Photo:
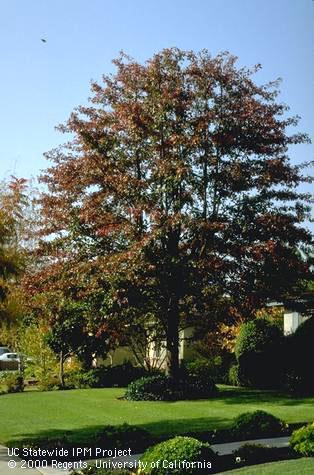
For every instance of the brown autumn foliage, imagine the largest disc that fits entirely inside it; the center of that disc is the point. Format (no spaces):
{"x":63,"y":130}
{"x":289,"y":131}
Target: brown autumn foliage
{"x":174,"y":192}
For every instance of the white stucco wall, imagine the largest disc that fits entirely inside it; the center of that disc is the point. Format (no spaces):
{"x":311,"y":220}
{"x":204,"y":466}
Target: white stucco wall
{"x":291,"y":321}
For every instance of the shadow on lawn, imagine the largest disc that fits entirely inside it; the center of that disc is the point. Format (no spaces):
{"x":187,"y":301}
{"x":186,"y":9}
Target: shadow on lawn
{"x":246,"y":396}
{"x":160,"y":430}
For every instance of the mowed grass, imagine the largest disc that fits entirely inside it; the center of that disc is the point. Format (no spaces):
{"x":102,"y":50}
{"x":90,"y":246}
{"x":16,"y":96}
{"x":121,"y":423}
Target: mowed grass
{"x":289,"y":467}
{"x":40,"y":414}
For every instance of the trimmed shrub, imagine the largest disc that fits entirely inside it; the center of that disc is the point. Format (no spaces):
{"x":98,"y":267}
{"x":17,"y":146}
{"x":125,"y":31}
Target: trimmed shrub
{"x":305,"y":332}
{"x":48,"y":382}
{"x":196,"y":380}
{"x":179,"y":449}
{"x":123,"y":436}
{"x":151,"y":388}
{"x":105,"y":376}
{"x":93,"y":470}
{"x":163,"y":388}
{"x":254,"y":454}
{"x":13,"y":381}
{"x":295,"y":384}
{"x":80,"y":379}
{"x":299,"y":352}
{"x":124,"y":374}
{"x":256,"y":335}
{"x":259,"y":353}
{"x":257,"y":424}
{"x":199,"y":367}
{"x":215,"y":367}
{"x":302,"y":440}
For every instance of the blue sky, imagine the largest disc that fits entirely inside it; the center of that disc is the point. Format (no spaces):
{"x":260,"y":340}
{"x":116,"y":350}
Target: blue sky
{"x":41,"y":83}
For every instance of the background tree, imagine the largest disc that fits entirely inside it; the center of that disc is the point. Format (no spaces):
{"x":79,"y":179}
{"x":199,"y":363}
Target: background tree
{"x":15,"y":232}
{"x":18,"y":223}
{"x":12,"y":199}
{"x":32,"y":341}
{"x":177,"y":186}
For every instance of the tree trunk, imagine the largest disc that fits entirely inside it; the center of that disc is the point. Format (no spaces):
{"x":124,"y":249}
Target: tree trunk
{"x":61,"y":369}
{"x":174,"y":285}
{"x":172,"y":343}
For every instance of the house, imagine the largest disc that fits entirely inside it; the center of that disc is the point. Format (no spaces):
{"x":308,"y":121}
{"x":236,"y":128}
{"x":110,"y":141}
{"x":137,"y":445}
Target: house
{"x":295,"y":311}
{"x":292,"y":320}
{"x":156,"y":352}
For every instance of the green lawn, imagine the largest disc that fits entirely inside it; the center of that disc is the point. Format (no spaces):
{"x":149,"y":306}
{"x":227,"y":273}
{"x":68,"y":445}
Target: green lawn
{"x":289,"y":467}
{"x":84,"y":411}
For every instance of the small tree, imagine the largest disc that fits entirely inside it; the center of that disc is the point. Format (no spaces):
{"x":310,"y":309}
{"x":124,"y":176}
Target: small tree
{"x":70,"y":335}
{"x":64,"y":339}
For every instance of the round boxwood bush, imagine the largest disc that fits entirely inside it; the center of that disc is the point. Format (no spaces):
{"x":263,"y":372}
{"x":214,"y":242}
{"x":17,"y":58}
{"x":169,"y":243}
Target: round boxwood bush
{"x":187,"y":452}
{"x":257,"y":424}
{"x":163,"y":388}
{"x":258,"y":351}
{"x":302,"y":440}
{"x":151,"y":388}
